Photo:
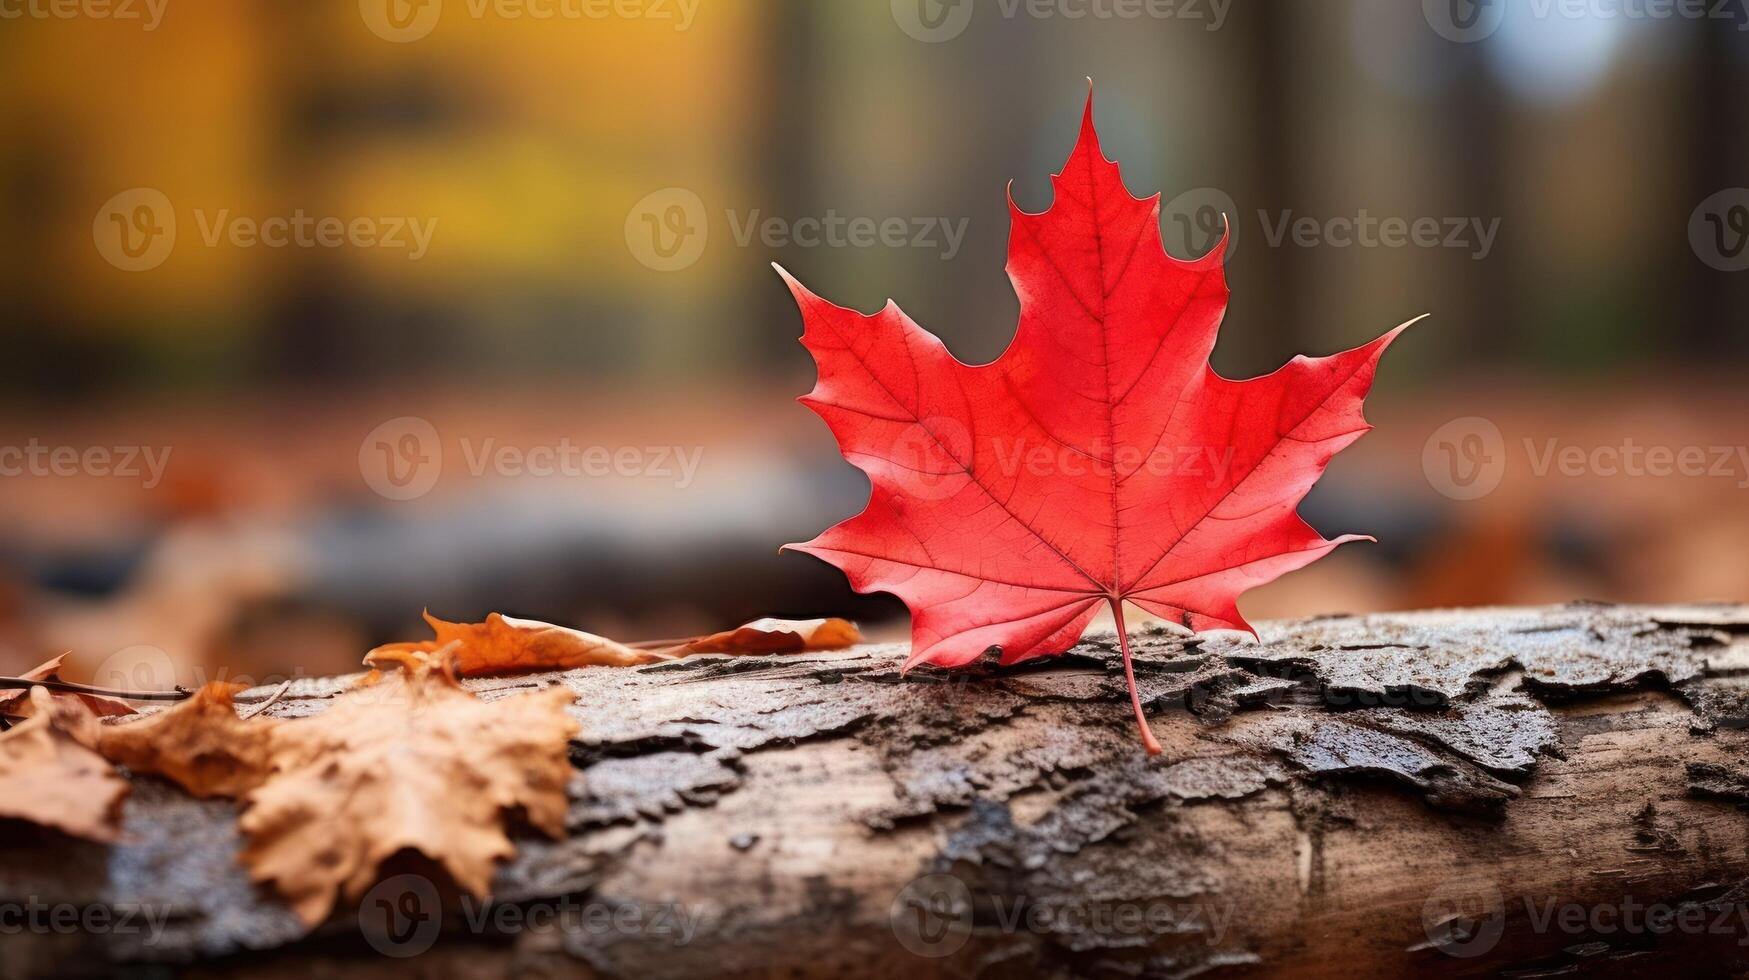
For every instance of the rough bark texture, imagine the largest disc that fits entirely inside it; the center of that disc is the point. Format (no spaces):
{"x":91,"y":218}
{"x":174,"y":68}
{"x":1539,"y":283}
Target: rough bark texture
{"x":1453,"y":793}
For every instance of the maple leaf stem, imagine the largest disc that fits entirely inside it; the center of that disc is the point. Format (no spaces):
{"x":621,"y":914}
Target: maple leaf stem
{"x":1129,"y":672}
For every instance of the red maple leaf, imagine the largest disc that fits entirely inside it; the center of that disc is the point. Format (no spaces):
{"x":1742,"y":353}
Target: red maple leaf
{"x":1100,"y":459}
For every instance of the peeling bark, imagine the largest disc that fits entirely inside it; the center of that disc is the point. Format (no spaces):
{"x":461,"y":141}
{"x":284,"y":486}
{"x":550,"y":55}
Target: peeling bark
{"x":1453,"y":793}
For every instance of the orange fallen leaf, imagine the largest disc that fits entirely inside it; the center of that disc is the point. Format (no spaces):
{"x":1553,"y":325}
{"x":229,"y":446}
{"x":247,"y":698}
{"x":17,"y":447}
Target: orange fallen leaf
{"x":502,"y":645}
{"x":412,"y":761}
{"x":777,"y":636}
{"x":50,"y":776}
{"x":200,"y":745}
{"x":15,"y":702}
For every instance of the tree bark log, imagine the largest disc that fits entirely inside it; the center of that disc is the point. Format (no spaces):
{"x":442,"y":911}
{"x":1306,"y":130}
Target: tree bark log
{"x":1469,"y":793}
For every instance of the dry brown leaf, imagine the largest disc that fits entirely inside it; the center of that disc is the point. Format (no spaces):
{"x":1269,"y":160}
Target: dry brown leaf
{"x":50,"y":776}
{"x":503,"y":645}
{"x":778,"y":636}
{"x":200,"y":745}
{"x":15,"y":702}
{"x":412,"y":761}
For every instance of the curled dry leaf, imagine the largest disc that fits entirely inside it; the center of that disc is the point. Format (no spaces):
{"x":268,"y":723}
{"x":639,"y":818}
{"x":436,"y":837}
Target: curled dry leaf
{"x":16,"y":702}
{"x":777,"y":636}
{"x":200,"y":745}
{"x":503,"y":645}
{"x":413,"y":761}
{"x":50,"y":776}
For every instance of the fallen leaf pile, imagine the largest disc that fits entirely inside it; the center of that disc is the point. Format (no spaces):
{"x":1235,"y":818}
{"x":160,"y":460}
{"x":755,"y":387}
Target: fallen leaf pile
{"x":1100,"y":460}
{"x":406,"y":758}
{"x":411,"y":760}
{"x":50,"y":776}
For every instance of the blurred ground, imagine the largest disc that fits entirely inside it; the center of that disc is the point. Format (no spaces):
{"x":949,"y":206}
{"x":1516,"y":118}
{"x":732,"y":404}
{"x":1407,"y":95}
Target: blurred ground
{"x":263,"y":551}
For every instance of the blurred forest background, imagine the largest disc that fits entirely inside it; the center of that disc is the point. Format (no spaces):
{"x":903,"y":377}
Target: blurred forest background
{"x":604,"y":185}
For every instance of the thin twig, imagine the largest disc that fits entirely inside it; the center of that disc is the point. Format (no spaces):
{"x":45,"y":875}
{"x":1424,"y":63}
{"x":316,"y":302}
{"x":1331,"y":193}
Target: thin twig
{"x":68,"y":687}
{"x":263,"y":706}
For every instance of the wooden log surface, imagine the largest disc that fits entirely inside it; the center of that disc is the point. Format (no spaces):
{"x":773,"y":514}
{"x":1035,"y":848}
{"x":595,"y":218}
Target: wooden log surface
{"x":1519,"y":792}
